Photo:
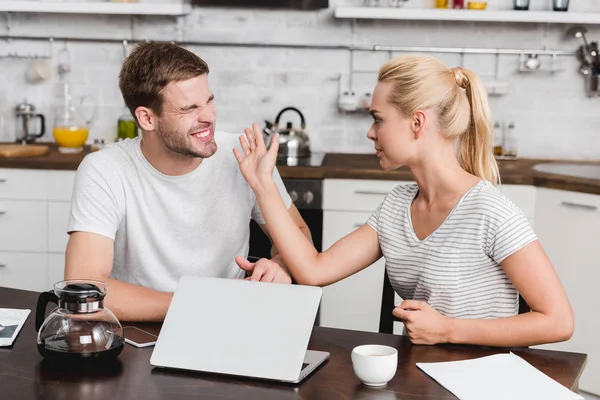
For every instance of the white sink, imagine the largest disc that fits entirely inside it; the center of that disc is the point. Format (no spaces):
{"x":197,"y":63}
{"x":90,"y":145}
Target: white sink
{"x":587,"y":171}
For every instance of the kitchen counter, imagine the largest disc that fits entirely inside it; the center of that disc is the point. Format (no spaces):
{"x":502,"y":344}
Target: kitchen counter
{"x":561,"y":175}
{"x":513,"y":172}
{"x":53,"y":160}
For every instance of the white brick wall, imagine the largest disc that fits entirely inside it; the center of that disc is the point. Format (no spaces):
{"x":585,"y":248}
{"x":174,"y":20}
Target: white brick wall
{"x":552,"y":115}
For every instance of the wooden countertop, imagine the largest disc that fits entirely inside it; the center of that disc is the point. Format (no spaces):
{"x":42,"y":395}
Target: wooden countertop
{"x":53,"y":160}
{"x":354,"y":166}
{"x":25,"y":375}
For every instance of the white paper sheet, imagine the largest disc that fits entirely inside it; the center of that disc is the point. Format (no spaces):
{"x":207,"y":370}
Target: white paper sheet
{"x":497,"y":377}
{"x":11,"y":322}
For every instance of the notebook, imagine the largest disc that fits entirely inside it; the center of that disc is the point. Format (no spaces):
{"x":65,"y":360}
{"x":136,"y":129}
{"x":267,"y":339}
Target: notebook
{"x":496,"y":377}
{"x":11,"y":322}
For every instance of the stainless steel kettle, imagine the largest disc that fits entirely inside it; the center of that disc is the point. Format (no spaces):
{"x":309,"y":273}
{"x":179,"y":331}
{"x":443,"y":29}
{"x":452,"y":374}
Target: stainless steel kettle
{"x":293,"y":143}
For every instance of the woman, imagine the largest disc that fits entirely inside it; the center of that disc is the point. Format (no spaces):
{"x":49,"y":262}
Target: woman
{"x":456,"y":249}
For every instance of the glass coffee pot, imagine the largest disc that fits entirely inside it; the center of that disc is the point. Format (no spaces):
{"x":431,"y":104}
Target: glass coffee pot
{"x":80,"y":328}
{"x":73,"y":116}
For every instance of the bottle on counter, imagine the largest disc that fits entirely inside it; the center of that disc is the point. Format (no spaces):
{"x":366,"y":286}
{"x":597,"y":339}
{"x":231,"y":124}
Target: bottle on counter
{"x":459,"y":4}
{"x":498,"y":139}
{"x":441,"y":3}
{"x":509,"y":144}
{"x":126,"y":127}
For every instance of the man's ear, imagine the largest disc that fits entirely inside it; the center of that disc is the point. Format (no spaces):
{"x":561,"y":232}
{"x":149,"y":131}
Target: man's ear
{"x":145,"y":119}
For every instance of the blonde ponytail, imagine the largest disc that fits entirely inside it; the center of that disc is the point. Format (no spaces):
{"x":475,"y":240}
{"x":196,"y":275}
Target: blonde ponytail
{"x":421,"y":82}
{"x":475,"y":146}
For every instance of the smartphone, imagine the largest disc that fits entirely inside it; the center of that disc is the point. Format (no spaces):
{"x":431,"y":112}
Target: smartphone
{"x":138,"y":337}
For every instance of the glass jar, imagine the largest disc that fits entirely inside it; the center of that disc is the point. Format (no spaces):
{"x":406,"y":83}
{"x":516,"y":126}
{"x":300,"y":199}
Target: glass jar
{"x":498,"y":139}
{"x":126,"y":126}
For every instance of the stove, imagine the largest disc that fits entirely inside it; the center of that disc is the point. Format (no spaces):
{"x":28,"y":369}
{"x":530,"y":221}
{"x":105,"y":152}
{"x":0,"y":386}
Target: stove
{"x":315,"y":160}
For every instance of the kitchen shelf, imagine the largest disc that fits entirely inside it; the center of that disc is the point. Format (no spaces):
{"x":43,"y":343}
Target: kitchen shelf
{"x":554,"y":17}
{"x":105,"y":7}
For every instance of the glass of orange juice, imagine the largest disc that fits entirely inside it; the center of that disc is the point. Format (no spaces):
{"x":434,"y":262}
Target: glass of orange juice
{"x":70,"y":139}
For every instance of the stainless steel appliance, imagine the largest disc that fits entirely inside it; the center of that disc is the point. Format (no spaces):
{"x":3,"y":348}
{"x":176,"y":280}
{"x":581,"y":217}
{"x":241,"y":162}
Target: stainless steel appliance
{"x":293,"y":142}
{"x":25,"y":123}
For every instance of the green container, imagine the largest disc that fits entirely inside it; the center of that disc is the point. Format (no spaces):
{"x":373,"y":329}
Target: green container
{"x":126,"y":127}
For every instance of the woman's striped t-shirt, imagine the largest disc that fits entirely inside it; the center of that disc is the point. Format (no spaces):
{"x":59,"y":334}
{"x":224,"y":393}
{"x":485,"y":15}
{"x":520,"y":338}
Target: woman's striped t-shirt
{"x":456,"y":269}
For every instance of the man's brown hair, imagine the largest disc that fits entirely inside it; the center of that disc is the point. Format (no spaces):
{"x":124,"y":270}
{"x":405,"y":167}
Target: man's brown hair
{"x":150,"y":67}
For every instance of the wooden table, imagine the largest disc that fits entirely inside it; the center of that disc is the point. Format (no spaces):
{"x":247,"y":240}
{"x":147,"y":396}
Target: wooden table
{"x":25,"y":375}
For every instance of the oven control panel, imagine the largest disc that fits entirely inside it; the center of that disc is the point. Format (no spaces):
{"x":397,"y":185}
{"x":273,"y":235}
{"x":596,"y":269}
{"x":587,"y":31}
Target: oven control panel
{"x":305,"y":193}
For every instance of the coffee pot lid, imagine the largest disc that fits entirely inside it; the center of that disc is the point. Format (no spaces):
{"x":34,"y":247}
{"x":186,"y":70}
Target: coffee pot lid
{"x":25,"y":107}
{"x":80,"y":291}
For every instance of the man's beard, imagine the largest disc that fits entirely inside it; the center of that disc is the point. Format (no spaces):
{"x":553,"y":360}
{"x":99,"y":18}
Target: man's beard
{"x":181,"y":144}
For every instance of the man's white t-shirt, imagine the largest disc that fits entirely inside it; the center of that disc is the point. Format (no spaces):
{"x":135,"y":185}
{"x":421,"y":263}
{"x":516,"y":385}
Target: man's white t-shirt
{"x":163,"y":226}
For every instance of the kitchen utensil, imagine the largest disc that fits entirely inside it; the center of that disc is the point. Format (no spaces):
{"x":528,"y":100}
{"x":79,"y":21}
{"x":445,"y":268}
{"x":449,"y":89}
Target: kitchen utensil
{"x":20,"y":150}
{"x":71,"y":125}
{"x":532,"y":62}
{"x":592,"y":84}
{"x":577,"y":31}
{"x":64,"y":61}
{"x":39,"y":71}
{"x":560,"y":5}
{"x":585,"y":69}
{"x":25,"y":121}
{"x":583,"y":53}
{"x":293,"y":143}
{"x":521,"y":5}
{"x":80,"y":328}
{"x":595,"y":53}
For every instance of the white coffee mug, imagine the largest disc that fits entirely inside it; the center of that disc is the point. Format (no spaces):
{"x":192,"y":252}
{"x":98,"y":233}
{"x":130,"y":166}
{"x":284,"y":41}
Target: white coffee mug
{"x":38,"y":71}
{"x":375,"y":365}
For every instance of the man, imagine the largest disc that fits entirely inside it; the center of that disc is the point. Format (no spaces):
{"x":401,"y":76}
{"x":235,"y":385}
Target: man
{"x":146,"y":211}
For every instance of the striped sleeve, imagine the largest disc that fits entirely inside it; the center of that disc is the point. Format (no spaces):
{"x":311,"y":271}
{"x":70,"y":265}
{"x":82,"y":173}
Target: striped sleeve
{"x":373,"y":220}
{"x":514,"y":234}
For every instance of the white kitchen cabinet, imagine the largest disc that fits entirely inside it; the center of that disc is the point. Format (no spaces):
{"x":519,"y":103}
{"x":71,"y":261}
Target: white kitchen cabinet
{"x":34,"y":212}
{"x":568,"y":227}
{"x":356,"y":194}
{"x":23,"y":271}
{"x":353,"y":303}
{"x":23,"y":184}
{"x":60,"y":185}
{"x":58,"y":219}
{"x":23,"y":226}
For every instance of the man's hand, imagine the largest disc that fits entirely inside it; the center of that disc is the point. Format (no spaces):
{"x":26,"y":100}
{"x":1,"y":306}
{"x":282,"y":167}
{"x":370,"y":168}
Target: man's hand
{"x":264,"y":270}
{"x":423,"y":324}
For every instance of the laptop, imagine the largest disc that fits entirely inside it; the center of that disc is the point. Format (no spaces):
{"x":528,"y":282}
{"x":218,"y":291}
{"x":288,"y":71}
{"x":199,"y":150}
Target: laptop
{"x":241,"y":328}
